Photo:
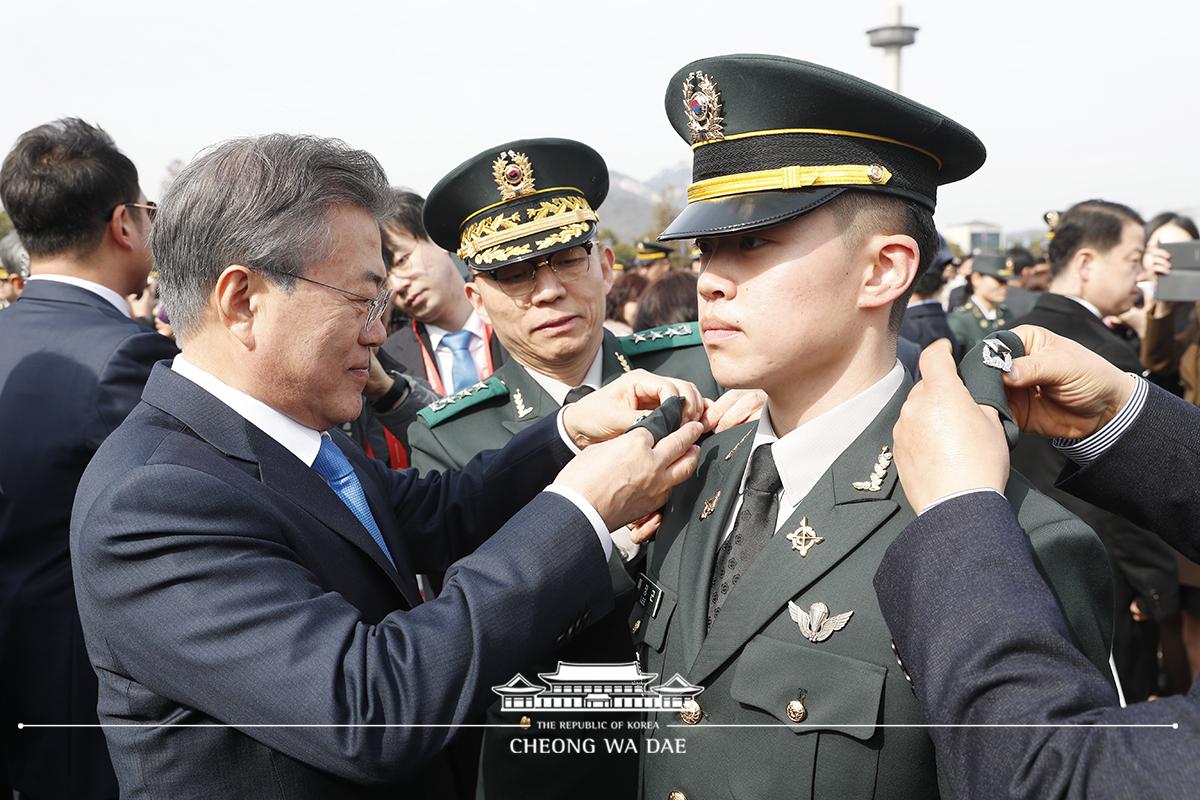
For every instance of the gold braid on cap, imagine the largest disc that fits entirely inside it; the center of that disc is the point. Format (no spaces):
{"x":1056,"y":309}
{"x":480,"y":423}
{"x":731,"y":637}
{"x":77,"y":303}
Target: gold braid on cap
{"x":482,"y":240}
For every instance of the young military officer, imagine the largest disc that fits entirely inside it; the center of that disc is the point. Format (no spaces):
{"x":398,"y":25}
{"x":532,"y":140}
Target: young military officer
{"x":984,"y":311}
{"x":812,"y":198}
{"x":652,"y":259}
{"x":523,"y":217}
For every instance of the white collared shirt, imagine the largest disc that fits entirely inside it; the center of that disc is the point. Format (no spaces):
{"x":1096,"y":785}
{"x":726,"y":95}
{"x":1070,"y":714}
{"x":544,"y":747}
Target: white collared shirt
{"x":807,"y":453}
{"x":990,"y":315}
{"x":445,"y":356}
{"x":558,"y":390}
{"x":1085,"y":304}
{"x":106,"y":293}
{"x":301,"y":441}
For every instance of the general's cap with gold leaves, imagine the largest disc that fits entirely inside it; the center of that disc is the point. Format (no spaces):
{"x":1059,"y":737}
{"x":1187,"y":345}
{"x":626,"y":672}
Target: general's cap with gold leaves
{"x":518,"y":201}
{"x":773,"y":138}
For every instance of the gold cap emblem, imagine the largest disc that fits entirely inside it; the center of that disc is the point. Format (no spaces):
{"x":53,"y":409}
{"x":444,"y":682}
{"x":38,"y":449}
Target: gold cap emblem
{"x":702,"y":103}
{"x":513,"y":174}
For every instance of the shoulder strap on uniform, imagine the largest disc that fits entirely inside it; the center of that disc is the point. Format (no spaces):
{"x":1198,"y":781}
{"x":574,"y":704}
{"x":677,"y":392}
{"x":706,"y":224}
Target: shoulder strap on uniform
{"x":450,"y":406}
{"x":664,"y":337}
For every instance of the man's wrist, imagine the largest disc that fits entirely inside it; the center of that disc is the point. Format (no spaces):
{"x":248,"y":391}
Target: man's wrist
{"x":1086,"y":450}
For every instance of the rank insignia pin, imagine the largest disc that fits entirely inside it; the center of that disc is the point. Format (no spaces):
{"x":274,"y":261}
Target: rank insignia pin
{"x":729,"y":455}
{"x":622,"y":361}
{"x":523,"y":410}
{"x":816,"y":624}
{"x":875,"y":482}
{"x":804,"y":538}
{"x":996,"y":354}
{"x":710,"y":505}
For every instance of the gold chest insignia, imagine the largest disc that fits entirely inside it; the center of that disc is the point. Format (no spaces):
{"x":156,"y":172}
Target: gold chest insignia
{"x":624,"y":362}
{"x":710,"y":505}
{"x":804,"y":538}
{"x":514,"y":175}
{"x":702,"y":104}
{"x":875,"y":482}
{"x":523,"y":410}
{"x":729,"y":455}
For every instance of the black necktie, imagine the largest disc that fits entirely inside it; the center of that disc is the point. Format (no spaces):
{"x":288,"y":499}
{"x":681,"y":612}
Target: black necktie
{"x":755,"y":525}
{"x":577,"y":393}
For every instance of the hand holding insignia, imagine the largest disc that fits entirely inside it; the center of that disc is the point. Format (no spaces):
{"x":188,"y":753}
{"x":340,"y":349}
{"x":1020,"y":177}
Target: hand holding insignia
{"x":733,"y":408}
{"x":611,"y":410}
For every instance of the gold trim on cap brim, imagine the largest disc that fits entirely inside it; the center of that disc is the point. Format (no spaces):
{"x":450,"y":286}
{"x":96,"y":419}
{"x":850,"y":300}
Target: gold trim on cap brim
{"x":796,"y":177}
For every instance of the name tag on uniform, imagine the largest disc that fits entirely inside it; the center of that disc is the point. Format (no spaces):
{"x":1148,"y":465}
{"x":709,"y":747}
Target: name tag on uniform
{"x":649,"y":595}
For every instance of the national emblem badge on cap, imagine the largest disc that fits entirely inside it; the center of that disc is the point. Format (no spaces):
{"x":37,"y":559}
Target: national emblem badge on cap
{"x":774,"y":138}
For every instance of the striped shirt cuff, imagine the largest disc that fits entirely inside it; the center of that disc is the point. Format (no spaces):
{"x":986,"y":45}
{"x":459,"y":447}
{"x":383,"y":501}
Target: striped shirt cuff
{"x":1085,"y":451}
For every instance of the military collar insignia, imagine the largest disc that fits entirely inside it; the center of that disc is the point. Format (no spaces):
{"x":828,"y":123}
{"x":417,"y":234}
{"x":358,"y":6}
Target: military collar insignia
{"x":523,"y":410}
{"x":447,"y":407}
{"x":746,"y":436}
{"x":816,"y":624}
{"x":664,"y":337}
{"x":710,"y":505}
{"x":514,"y":175}
{"x":997,"y":354}
{"x":624,"y":362}
{"x":702,"y":102}
{"x":875,"y":482}
{"x":804,"y":538}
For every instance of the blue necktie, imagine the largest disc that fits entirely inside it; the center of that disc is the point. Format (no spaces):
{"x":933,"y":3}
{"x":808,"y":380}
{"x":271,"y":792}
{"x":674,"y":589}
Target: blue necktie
{"x":463,"y":373}
{"x":334,"y":467}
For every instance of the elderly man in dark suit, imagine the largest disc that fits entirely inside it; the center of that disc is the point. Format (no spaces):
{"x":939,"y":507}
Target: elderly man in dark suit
{"x":246,"y":576}
{"x":72,"y":366}
{"x":977,"y":627}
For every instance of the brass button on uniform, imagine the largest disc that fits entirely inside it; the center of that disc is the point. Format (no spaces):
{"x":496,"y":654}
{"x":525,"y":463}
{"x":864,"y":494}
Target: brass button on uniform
{"x":676,"y":795}
{"x":691,"y":712}
{"x":796,"y":711}
{"x":637,"y":626}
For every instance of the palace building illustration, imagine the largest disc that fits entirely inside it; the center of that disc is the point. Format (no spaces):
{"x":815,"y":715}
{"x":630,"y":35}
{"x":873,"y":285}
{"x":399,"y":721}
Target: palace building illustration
{"x":598,"y":687}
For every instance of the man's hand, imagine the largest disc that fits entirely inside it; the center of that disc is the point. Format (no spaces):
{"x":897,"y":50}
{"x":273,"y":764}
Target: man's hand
{"x":945,"y":442}
{"x":1061,"y":389}
{"x":610,"y":410}
{"x":733,"y":408}
{"x":630,"y":477}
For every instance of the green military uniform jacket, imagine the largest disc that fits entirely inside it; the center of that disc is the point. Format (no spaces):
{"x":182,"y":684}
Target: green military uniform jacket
{"x":755,"y":661}
{"x":447,"y":436}
{"x":970,"y":326}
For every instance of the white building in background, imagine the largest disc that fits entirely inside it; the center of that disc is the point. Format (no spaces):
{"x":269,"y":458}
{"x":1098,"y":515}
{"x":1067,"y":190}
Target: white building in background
{"x":975,"y":237}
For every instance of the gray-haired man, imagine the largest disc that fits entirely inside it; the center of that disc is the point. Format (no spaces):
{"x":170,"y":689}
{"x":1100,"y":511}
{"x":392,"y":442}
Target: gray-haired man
{"x":246,"y":577}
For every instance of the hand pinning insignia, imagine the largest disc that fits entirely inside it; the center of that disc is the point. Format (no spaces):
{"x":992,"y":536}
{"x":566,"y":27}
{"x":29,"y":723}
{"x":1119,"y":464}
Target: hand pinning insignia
{"x":816,"y":624}
{"x":997,"y":354}
{"x":519,"y":401}
{"x":875,"y":482}
{"x":804,"y":538}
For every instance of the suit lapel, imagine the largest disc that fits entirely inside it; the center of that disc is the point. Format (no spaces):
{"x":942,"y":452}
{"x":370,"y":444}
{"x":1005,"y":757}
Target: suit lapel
{"x":843,"y":515}
{"x":701,"y":538}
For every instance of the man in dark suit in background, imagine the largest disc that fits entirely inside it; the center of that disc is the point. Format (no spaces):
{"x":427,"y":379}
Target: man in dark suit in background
{"x":924,"y":320}
{"x":72,"y":367}
{"x":1096,"y":255}
{"x":979,"y":631}
{"x":243,"y":569}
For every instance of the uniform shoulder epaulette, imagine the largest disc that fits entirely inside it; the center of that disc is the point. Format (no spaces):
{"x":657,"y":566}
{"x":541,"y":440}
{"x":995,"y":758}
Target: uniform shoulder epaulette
{"x":664,"y":337}
{"x":450,"y":406}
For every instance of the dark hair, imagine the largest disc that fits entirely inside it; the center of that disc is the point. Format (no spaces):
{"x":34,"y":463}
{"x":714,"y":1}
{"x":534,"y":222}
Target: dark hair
{"x":261,"y":202}
{"x":626,"y":288}
{"x":668,"y":301}
{"x":60,"y":184}
{"x":929,"y":283}
{"x":862,"y":214}
{"x":1020,"y":258}
{"x":1092,"y":223}
{"x":1171,"y":218}
{"x":407,"y":214}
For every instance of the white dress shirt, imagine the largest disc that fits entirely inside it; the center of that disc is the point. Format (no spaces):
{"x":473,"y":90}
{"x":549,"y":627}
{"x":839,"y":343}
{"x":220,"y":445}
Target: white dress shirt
{"x":805,"y":454}
{"x":108,"y":294}
{"x":444,"y":356}
{"x":990,"y":315}
{"x":304,"y":442}
{"x":1089,"y":306}
{"x":558,"y":390}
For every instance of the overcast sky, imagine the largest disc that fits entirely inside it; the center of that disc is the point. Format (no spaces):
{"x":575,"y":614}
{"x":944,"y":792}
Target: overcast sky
{"x":1073,"y":99}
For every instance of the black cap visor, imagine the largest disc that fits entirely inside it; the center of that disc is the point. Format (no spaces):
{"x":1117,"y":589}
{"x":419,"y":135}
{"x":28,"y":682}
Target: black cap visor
{"x":745,"y":212}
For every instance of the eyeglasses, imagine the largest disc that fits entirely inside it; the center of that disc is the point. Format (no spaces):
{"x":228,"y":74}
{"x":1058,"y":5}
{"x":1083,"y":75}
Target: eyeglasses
{"x":150,"y":206}
{"x":518,"y":280}
{"x":376,"y":306}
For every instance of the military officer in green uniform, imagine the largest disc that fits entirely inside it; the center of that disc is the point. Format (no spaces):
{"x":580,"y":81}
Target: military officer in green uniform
{"x":984,"y":310}
{"x":812,"y":201}
{"x":652,"y":259}
{"x":523,"y":217}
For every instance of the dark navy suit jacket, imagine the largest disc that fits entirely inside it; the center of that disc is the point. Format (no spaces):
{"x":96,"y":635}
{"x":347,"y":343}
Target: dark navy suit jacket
{"x":71,"y":368}
{"x":220,"y":580}
{"x":983,"y":639}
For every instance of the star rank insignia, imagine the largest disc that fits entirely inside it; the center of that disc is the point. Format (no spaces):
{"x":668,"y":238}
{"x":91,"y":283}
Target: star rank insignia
{"x":875,"y":482}
{"x":804,"y":538}
{"x":638,"y":338}
{"x":710,"y":505}
{"x":523,"y":410}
